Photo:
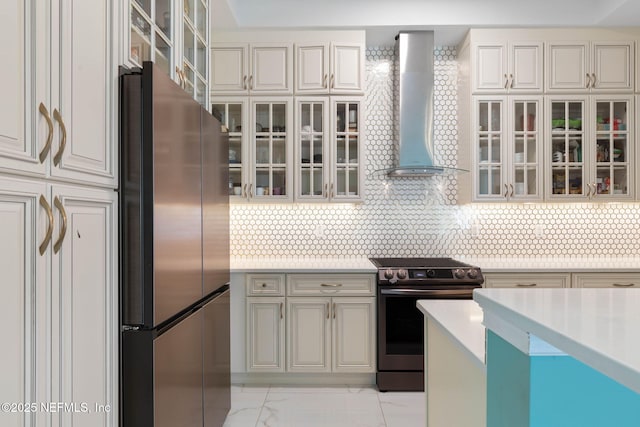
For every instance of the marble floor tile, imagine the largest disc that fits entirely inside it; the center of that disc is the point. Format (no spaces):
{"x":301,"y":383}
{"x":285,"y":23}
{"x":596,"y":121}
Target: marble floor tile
{"x":402,"y":409}
{"x":246,"y":405}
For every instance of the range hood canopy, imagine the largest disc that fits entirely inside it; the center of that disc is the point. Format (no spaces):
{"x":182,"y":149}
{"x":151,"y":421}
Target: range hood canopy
{"x":415,"y":106}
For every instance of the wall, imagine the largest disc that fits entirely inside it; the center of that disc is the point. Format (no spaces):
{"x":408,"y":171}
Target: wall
{"x":420,"y":217}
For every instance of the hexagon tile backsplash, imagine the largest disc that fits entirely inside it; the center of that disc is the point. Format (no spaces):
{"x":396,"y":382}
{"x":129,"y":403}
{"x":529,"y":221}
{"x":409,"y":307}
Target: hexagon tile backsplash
{"x":420,"y":217}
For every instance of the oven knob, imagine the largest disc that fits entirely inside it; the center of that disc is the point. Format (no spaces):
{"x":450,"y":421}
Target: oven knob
{"x":459,"y":273}
{"x":388,"y":274}
{"x":431,"y":273}
{"x":473,"y":273}
{"x":402,"y":274}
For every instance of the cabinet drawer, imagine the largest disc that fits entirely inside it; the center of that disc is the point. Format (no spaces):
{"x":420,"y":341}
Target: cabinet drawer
{"x":330,"y":284}
{"x":606,"y":280}
{"x":265,"y":284}
{"x":527,"y":280}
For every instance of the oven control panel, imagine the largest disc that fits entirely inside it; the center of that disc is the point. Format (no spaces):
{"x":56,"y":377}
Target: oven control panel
{"x":390,"y":276}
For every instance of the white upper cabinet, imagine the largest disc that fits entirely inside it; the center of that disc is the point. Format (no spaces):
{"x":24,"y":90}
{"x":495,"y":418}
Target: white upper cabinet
{"x":507,"y":67}
{"x":257,"y":68}
{"x":329,"y":68}
{"x":590,"y":66}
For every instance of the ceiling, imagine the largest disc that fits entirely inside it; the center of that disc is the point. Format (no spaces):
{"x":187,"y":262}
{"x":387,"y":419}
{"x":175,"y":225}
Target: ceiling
{"x":450,"y":19}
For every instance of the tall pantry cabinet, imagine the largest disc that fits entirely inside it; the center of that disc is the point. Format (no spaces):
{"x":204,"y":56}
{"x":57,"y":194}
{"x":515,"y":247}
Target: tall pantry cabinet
{"x":58,"y":213}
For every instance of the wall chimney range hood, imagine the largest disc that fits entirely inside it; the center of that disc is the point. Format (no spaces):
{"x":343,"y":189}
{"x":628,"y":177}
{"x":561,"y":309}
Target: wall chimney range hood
{"x":415,"y":107}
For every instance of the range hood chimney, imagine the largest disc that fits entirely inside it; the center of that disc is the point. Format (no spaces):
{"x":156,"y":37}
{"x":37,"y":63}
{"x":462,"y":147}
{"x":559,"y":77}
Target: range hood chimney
{"x":415,"y":104}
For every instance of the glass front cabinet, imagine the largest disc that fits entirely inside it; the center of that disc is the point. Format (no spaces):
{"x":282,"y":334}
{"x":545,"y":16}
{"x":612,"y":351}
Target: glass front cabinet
{"x":508,"y":148}
{"x":328,"y":149}
{"x":590,"y":150}
{"x":234,"y":115}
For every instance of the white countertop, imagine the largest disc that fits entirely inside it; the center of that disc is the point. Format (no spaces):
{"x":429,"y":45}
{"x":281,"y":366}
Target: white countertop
{"x":302,"y":265}
{"x":600,"y":327}
{"x":462,"y":320}
{"x":556,"y":264}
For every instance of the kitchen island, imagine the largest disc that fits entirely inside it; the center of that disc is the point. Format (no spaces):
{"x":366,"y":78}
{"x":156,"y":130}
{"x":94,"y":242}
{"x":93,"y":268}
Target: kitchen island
{"x":562,"y":357}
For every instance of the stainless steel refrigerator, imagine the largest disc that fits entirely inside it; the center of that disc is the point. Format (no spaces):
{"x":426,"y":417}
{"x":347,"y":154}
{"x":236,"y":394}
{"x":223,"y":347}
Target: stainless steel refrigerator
{"x":174,"y":246}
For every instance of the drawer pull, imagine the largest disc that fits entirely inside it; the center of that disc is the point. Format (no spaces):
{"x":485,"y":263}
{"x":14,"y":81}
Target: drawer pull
{"x":627,"y":285}
{"x":334,"y":310}
{"x":526,"y":285}
{"x":264,"y":285}
{"x":281,"y":310}
{"x":331,"y":285}
{"x":328,"y":310}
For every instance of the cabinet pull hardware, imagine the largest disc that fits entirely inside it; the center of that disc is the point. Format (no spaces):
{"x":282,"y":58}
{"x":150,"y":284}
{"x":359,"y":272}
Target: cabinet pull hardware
{"x":264,"y":285}
{"x":251,"y":82}
{"x":250,"y":191}
{"x":506,"y":81}
{"x":326,"y":190}
{"x":588,"y":81}
{"x":63,"y":142}
{"x":179,"y":75}
{"x":331,"y":285}
{"x":506,"y":190}
{"x":331,"y":193}
{"x":47,"y":146}
{"x":63,"y":228}
{"x":594,"y":193}
{"x":281,"y":315}
{"x":244,"y":191}
{"x":324,"y":82}
{"x":511,"y":78}
{"x":47,"y":237}
{"x":593,"y":82}
{"x":511,"y":188}
{"x":333,"y":81}
{"x":626,"y":285}
{"x":328,"y":310}
{"x":526,"y":285}
{"x":244,"y":83}
{"x":334,"y":310}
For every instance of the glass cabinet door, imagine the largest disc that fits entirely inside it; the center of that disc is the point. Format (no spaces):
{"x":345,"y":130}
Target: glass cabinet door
{"x":345,"y":182}
{"x":612,"y":148}
{"x":152,"y":33}
{"x":271,"y":148}
{"x":232,"y":118}
{"x":490,"y":139}
{"x":194,"y":53}
{"x":310,"y":149}
{"x":524,"y":149}
{"x":567,"y":148}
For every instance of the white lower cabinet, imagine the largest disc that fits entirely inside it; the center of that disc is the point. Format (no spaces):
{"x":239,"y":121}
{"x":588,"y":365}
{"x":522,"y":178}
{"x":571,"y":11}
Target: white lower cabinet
{"x":606,"y":280}
{"x":527,"y":280}
{"x":265,"y":334}
{"x":59,"y":294}
{"x":330,"y":328}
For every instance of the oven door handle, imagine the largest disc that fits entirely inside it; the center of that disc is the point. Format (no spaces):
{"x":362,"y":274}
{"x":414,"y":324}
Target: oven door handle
{"x":426,"y":293}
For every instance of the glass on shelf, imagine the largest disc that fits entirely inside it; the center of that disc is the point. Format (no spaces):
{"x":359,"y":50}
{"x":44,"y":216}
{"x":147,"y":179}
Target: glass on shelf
{"x":279,"y":112}
{"x":235,"y":117}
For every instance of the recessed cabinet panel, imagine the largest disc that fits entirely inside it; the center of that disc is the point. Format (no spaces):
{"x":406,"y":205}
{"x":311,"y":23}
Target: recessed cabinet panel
{"x":491,"y":67}
{"x":312,"y":69}
{"x":347,"y":68}
{"x":309,"y":334}
{"x":229,"y":69}
{"x":568,"y":66}
{"x":353,"y":344}
{"x":271,"y":69}
{"x":526,"y":67}
{"x":612,"y":66}
{"x":265,"y":334}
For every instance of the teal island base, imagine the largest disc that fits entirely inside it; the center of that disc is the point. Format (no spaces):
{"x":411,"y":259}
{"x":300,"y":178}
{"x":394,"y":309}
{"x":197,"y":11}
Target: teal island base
{"x":552,"y":389}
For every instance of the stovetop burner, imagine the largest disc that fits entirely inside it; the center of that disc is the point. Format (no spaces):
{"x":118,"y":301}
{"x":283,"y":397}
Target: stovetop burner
{"x":417,"y":263}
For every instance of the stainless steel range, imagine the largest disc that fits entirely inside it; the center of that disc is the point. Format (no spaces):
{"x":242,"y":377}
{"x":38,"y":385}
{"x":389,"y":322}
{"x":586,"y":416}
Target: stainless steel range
{"x":402,"y":282}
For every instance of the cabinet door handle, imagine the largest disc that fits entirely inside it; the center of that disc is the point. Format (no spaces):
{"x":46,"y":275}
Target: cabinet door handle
{"x":250,"y":82}
{"x":506,"y":190}
{"x":281,"y":310}
{"x":328,"y":310}
{"x":593,"y":82}
{"x":333,"y":81}
{"x":326,"y":190}
{"x":526,"y":285}
{"x":244,"y":82}
{"x":331,"y":285}
{"x":47,"y":146}
{"x":331,"y":193}
{"x":625,"y":285}
{"x":588,"y":81}
{"x":324,"y":82}
{"x":594,"y":193}
{"x":588,"y":191}
{"x":506,"y":81}
{"x":63,"y":228}
{"x":47,"y":237}
{"x":63,"y":142}
{"x":511,"y":188}
{"x":511,"y":78}
{"x":264,"y":285}
{"x":250,"y":191}
{"x":334,"y":310}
